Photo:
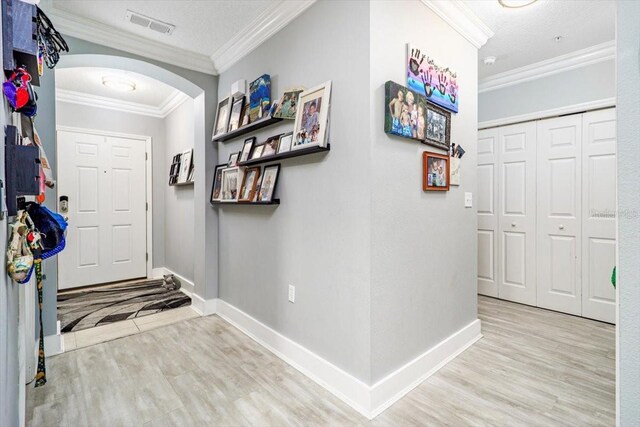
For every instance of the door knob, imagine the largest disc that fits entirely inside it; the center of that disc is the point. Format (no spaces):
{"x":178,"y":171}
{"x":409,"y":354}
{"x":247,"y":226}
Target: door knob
{"x":513,"y":224}
{"x":561,"y":227}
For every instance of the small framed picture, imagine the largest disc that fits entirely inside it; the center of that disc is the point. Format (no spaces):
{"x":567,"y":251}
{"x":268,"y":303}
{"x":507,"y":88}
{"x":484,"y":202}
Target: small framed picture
{"x":268,"y":185}
{"x":236,"y":114}
{"x":216,"y":187}
{"x":284,"y":144}
{"x":222,"y":117}
{"x":249,"y":184}
{"x":286,"y":109}
{"x":438,"y":131}
{"x":230,"y":184}
{"x":271,"y":146}
{"x":256,"y":153}
{"x":246,"y":148}
{"x":244,"y":116}
{"x":435,"y":171}
{"x":312,"y":117}
{"x":233,"y":159}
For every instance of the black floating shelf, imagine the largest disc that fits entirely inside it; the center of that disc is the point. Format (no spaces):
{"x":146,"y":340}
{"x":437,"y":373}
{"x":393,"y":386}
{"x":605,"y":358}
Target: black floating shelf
{"x":286,"y":155}
{"x":273,"y":202}
{"x":251,"y":127}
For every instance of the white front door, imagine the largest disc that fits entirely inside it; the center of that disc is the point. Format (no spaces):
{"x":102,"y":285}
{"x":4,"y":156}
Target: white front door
{"x":488,"y":212}
{"x":599,"y":214}
{"x":517,"y":213}
{"x":105,"y":181}
{"x":559,"y":214}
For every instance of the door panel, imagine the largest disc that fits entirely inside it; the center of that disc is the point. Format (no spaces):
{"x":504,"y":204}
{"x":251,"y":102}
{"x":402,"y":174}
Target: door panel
{"x":105,"y":180}
{"x":599,"y":215}
{"x":517,"y":216}
{"x":559,"y":214}
{"x":487,"y":212}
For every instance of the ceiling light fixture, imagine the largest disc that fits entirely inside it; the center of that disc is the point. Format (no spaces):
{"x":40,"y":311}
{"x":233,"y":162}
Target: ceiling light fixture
{"x":515,"y":4}
{"x":119,"y":84}
{"x":489,"y":60}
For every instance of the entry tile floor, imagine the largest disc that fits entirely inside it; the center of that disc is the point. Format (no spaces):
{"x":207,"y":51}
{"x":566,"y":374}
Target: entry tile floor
{"x":533,"y":367}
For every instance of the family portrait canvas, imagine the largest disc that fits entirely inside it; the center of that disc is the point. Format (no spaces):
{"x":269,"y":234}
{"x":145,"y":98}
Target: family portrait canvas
{"x":405,"y":113}
{"x":437,"y":83}
{"x":259,"y":97}
{"x":287,"y":107}
{"x":311,"y":117}
{"x":435,"y":175}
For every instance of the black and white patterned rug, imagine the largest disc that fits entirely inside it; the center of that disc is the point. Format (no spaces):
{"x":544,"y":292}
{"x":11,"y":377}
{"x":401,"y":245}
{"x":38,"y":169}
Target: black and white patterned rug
{"x":95,"y":307}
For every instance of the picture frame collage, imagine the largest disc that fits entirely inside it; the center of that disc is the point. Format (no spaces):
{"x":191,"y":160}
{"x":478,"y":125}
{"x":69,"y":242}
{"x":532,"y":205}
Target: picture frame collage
{"x":237,"y":184}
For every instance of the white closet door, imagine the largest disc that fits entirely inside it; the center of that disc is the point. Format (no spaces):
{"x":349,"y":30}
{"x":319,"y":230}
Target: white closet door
{"x":559,"y":214}
{"x":599,"y":215}
{"x":517,"y":213}
{"x":487,"y":201}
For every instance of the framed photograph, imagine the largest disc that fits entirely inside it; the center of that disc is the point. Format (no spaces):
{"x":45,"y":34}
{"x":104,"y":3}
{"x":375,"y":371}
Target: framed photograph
{"x":216,"y":187}
{"x":249,"y":184}
{"x":438,"y":131}
{"x":271,"y":146}
{"x":284,"y":144}
{"x":268,"y":185}
{"x":222,"y":117}
{"x":244,"y":119}
{"x":236,"y":114}
{"x":439,"y":84}
{"x":405,"y":112}
{"x":246,"y":148}
{"x":233,"y":159}
{"x":257,"y":152}
{"x":312,"y":117}
{"x":259,"y":97}
{"x":287,"y":107}
{"x":185,"y":165}
{"x":435,"y":171}
{"x":230,"y":184}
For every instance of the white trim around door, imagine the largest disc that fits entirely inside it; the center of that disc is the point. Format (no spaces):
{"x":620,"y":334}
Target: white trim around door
{"x":149,"y":177}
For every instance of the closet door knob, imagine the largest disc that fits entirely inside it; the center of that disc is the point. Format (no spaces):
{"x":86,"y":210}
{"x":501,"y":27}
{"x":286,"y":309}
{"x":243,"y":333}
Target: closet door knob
{"x":513,"y":224}
{"x":561,"y":227}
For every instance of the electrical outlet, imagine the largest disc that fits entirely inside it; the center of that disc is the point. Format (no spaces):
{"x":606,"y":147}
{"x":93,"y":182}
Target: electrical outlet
{"x":292,"y":293}
{"x":468,"y":200}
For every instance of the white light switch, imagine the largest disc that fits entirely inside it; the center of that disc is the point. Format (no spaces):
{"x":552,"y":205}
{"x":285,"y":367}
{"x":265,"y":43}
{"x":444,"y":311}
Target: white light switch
{"x":468,"y":200}
{"x":292,"y":293}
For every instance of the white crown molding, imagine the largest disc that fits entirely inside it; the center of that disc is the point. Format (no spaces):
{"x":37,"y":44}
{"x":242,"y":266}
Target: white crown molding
{"x":175,"y":99}
{"x":554,"y":112}
{"x":579,"y":58}
{"x":269,"y":22}
{"x":462,"y":19}
{"x":105,"y":35}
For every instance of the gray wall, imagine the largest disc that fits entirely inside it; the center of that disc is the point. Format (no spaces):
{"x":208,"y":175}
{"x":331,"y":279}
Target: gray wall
{"x":318,"y":239}
{"x":9,"y":366}
{"x":178,"y":229}
{"x":423,"y":244}
{"x":591,"y":83}
{"x":93,"y":118}
{"x":206,"y":256}
{"x":628,"y":45}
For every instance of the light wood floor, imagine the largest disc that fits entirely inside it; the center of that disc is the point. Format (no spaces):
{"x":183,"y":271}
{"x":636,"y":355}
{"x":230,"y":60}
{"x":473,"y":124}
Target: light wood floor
{"x":533,"y":367}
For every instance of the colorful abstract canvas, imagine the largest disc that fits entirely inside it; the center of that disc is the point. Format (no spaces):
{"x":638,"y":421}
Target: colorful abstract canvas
{"x":259,"y":97}
{"x":437,"y":83}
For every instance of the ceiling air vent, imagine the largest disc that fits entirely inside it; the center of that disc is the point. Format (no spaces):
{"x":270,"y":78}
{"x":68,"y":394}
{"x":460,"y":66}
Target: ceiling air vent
{"x":150,"y":23}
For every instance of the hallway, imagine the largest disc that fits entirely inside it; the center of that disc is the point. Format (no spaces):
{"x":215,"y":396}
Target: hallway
{"x":532,"y":367}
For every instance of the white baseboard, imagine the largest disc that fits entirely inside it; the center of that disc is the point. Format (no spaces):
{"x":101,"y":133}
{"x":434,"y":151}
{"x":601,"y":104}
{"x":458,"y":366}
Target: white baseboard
{"x":53,"y":345}
{"x":204,"y":307}
{"x":368,"y":400}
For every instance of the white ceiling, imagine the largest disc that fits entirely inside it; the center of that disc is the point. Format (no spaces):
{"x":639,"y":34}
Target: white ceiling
{"x":148,"y":92}
{"x":525,"y":36}
{"x":201,"y":26}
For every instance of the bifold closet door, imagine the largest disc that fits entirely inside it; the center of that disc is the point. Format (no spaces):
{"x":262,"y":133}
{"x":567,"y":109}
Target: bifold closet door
{"x":487,"y":202}
{"x":517,"y":213}
{"x":559,"y":214}
{"x":599,"y":214}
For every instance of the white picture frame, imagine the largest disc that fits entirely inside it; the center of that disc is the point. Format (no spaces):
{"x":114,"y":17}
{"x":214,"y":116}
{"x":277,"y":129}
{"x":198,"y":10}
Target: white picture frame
{"x":231,"y":182}
{"x":185,"y":165}
{"x":311,"y":124}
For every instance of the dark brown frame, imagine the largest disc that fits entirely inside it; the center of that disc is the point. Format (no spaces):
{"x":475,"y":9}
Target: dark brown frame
{"x":252,"y":192}
{"x":425,"y":169}
{"x":447,"y":135}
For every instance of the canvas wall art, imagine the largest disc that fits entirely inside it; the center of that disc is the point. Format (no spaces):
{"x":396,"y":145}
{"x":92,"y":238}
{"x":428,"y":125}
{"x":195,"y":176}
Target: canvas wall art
{"x":405,"y":112}
{"x":259,"y":97}
{"x":437,"y":83}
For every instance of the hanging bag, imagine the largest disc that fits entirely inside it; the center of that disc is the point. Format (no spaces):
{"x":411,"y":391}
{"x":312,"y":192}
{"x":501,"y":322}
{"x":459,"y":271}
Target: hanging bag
{"x":19,"y":255}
